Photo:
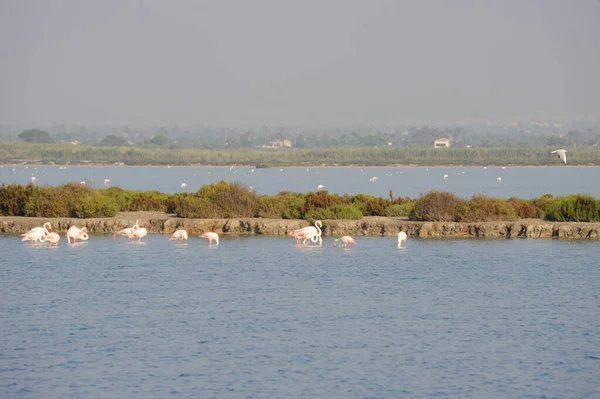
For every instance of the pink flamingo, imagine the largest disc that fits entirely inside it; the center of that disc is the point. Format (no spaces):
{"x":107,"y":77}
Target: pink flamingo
{"x":127,"y":232}
{"x":179,"y":235}
{"x":36,"y":233}
{"x":139,"y":233}
{"x":211,"y":237}
{"x":345,"y":241}
{"x":76,"y":233}
{"x":52,"y":238}
{"x":312,"y":233}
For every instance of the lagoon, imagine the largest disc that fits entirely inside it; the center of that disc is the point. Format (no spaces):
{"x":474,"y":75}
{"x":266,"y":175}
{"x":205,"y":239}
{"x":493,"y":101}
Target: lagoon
{"x":522,"y":182}
{"x":260,"y":317}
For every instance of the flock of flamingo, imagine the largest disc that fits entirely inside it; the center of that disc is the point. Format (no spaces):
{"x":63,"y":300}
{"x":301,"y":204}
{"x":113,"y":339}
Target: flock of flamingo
{"x":303,"y":236}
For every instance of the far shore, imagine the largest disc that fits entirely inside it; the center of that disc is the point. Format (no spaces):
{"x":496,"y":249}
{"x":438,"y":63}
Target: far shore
{"x":112,"y":165}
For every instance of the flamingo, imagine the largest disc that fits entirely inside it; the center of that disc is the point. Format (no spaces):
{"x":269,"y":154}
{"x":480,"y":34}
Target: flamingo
{"x":33,"y":236}
{"x":402,"y":238}
{"x":139,"y":233}
{"x":312,"y":233}
{"x":82,"y":183}
{"x":445,"y":177}
{"x":183,"y":185}
{"x":211,"y":237}
{"x":33,"y":179}
{"x":499,"y":179}
{"x":76,"y":233}
{"x":373,"y":179}
{"x":179,"y":235}
{"x":40,"y":231}
{"x":344,"y":241}
{"x":562,"y":154}
{"x":320,"y":187}
{"x":126,"y":232}
{"x":52,"y":238}
{"x":106,"y":181}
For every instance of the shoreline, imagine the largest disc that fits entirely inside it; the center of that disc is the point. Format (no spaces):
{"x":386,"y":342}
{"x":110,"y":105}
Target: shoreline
{"x":160,"y":223}
{"x":410,"y":166}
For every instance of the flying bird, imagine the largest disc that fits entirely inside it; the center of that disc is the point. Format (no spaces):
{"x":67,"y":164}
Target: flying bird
{"x":562,"y":154}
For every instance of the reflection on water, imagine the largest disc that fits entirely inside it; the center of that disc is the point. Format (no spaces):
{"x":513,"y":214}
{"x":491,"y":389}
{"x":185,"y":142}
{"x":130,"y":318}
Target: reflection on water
{"x":262,"y":317}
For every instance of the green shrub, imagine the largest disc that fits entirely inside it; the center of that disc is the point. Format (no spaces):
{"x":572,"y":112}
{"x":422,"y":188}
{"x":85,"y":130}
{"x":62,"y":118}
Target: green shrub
{"x":320,"y":200}
{"x":573,"y":208}
{"x":525,"y":209}
{"x":13,"y":199}
{"x":96,"y":206}
{"x":542,"y":203}
{"x":436,"y":206}
{"x":231,"y":199}
{"x":196,"y":207}
{"x":283,"y":205}
{"x":370,"y":205}
{"x":482,"y":208}
{"x":334,"y":212}
{"x":399,"y":210}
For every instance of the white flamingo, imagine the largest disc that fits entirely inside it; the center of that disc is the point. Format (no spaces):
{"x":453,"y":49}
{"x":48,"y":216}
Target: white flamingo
{"x":312,"y":233}
{"x":52,"y":238}
{"x":562,"y":154}
{"x":76,"y":233}
{"x":345,"y":241}
{"x":139,"y":233}
{"x":37,"y":232}
{"x":402,"y":238}
{"x":179,"y":235}
{"x":211,"y":237}
{"x":127,"y":232}
{"x":33,"y":236}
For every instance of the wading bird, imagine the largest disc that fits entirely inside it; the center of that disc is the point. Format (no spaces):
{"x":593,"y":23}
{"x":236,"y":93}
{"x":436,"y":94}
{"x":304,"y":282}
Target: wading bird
{"x":211,"y":237}
{"x":52,"y":238}
{"x":402,"y":238}
{"x":345,"y":241}
{"x":127,"y":232}
{"x":77,"y":233}
{"x":179,"y":235}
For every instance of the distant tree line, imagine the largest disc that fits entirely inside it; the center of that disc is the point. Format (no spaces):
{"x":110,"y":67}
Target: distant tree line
{"x":410,"y":137}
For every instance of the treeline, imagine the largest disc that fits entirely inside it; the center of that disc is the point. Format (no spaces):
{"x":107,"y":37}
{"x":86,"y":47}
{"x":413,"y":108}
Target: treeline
{"x":74,"y":154}
{"x":234,"y":200}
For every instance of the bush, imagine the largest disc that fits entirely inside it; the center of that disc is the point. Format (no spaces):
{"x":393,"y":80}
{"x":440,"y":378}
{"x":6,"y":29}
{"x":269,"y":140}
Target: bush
{"x":399,"y":210}
{"x":369,"y":205}
{"x":542,"y":203}
{"x":334,"y":212}
{"x":283,"y":205}
{"x":436,"y":206}
{"x":96,"y":206}
{"x":196,"y":207}
{"x":231,"y":199}
{"x":525,"y":209}
{"x":482,"y":208}
{"x":13,"y":199}
{"x":320,"y":200}
{"x":573,"y":208}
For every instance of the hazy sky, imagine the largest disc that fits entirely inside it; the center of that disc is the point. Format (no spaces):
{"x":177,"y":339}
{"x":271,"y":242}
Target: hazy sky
{"x":296,"y":62}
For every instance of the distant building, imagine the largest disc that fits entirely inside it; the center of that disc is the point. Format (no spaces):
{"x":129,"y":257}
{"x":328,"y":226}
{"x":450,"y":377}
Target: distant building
{"x":441,"y":143}
{"x":281,"y":143}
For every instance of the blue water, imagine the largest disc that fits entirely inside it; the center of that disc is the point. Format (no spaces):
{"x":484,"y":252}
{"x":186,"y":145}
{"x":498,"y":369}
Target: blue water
{"x":411,"y":182}
{"x":258,"y":317}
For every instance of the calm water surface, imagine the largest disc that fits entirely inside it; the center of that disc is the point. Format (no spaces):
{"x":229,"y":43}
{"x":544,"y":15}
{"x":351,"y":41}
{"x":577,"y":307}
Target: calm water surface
{"x":259,"y":317}
{"x":465,"y":182}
